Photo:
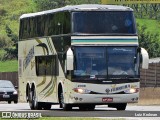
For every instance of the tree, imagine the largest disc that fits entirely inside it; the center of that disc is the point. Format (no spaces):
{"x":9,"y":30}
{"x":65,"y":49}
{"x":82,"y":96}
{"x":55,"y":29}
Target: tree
{"x":76,"y":2}
{"x":49,"y":4}
{"x":150,"y":41}
{"x":52,"y":4}
{"x":5,"y":42}
{"x":11,"y":52}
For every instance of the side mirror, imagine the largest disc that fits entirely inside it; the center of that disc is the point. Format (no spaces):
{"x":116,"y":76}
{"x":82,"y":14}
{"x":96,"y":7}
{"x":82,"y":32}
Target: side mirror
{"x":16,"y":87}
{"x":145,"y":58}
{"x":70,"y":59}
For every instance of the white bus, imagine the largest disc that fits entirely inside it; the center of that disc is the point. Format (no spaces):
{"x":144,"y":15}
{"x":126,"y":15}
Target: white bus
{"x":80,"y":56}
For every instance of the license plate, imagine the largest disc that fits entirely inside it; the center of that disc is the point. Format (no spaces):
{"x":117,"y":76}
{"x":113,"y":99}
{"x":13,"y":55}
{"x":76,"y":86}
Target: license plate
{"x":6,"y":96}
{"x":107,"y":99}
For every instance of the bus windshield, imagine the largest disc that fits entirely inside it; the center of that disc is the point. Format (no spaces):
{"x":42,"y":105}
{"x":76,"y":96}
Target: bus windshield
{"x":108,"y":62}
{"x":104,"y":22}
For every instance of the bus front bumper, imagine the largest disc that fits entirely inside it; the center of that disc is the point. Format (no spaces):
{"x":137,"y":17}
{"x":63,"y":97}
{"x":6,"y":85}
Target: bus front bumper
{"x":103,"y":99}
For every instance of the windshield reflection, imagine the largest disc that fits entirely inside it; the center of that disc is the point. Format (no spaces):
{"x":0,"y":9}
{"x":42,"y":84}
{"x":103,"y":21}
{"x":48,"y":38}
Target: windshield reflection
{"x":105,"y":62}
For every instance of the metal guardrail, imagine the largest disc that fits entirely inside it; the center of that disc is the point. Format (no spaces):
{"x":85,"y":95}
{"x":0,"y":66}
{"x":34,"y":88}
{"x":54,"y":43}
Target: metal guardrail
{"x":12,"y":76}
{"x":151,"y":77}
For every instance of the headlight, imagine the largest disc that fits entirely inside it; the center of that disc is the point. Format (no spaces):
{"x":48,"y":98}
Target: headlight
{"x":82,"y":91}
{"x":15,"y":92}
{"x":132,"y":90}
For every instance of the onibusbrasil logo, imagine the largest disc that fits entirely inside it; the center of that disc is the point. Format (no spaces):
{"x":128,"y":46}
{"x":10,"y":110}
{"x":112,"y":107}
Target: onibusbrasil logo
{"x":12,"y":115}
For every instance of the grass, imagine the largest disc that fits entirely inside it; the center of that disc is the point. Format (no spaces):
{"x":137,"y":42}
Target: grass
{"x":9,"y":66}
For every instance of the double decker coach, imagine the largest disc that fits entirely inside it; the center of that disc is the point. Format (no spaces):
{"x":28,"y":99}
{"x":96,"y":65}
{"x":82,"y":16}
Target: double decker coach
{"x":82,"y":55}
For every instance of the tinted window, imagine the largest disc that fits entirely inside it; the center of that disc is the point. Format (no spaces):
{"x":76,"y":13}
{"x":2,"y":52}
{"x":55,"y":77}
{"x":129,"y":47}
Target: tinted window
{"x":46,"y":65}
{"x":45,"y":25}
{"x":106,"y":61}
{"x":108,"y":22}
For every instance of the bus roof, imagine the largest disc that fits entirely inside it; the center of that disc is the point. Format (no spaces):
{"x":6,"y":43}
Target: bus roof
{"x":85,"y":7}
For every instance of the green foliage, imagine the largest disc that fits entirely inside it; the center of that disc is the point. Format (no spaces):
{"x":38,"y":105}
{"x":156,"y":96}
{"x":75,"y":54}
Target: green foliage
{"x":11,"y":35}
{"x":76,"y":2}
{"x":152,"y":26}
{"x":11,"y":52}
{"x":2,"y":12}
{"x":5,"y":42}
{"x":52,"y":4}
{"x":150,"y":41}
{"x":11,"y":10}
{"x":48,"y":4}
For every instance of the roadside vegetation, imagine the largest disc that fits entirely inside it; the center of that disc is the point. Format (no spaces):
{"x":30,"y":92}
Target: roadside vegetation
{"x":11,"y":10}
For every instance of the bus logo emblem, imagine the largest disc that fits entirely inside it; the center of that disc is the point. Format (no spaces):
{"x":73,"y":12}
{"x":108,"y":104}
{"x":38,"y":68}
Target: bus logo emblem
{"x":107,"y":91}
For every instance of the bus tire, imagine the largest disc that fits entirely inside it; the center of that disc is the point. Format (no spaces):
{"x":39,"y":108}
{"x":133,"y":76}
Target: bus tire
{"x":39,"y":106}
{"x":66,"y":107}
{"x":121,"y":106}
{"x":47,"y":106}
{"x":16,"y":101}
{"x":91,"y":107}
{"x":27,"y":93}
{"x":86,"y":107}
{"x":33,"y":99}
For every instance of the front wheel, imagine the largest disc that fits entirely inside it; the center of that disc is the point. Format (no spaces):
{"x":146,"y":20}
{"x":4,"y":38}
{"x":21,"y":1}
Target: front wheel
{"x":16,"y":101}
{"x":121,"y":106}
{"x":118,"y":106}
{"x":86,"y":107}
{"x":65,"y":107}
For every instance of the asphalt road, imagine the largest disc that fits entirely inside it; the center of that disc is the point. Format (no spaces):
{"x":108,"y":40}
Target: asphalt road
{"x":100,"y":111}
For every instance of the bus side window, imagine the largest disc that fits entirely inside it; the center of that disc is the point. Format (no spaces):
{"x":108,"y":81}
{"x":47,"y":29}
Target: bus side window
{"x":46,"y":65}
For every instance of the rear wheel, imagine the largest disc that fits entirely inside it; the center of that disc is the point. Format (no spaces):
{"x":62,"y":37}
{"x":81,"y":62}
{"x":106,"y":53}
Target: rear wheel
{"x":9,"y":102}
{"x":27,"y":93}
{"x":47,"y":106}
{"x":33,"y":100}
{"x":39,"y":106}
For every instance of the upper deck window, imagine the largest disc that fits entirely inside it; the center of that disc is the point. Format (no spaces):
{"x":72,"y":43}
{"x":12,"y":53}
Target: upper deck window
{"x":104,"y":22}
